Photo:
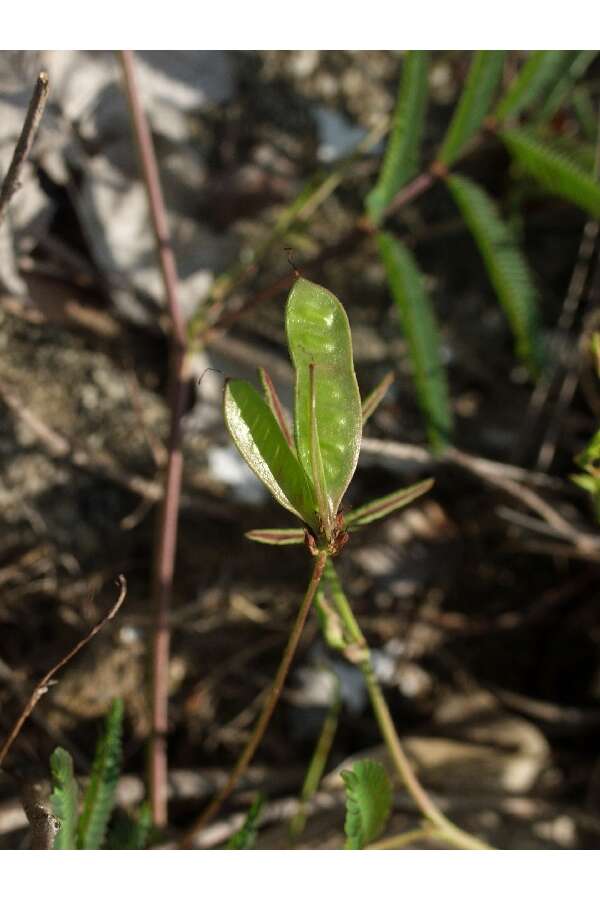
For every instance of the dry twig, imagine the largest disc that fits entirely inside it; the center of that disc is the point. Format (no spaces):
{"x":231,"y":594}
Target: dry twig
{"x":12,"y":180}
{"x":45,"y":682}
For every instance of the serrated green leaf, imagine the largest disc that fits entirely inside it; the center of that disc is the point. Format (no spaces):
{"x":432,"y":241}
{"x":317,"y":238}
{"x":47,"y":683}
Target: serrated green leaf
{"x":245,"y":838}
{"x":64,"y":798}
{"x":371,"y":402}
{"x":537,"y":75}
{"x":384,"y":506}
{"x":318,"y":335}
{"x":99,"y":797}
{"x":554,"y":171}
{"x":484,"y":76}
{"x":282,"y":537}
{"x":401,"y":160}
{"x":420,"y":328}
{"x":276,"y":407}
{"x":259,"y":439}
{"x":368,"y":803}
{"x":506,"y":266}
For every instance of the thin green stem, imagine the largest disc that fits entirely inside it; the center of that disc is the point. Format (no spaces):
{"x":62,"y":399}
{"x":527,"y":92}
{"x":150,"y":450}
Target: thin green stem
{"x":268,"y":709}
{"x":317,"y":765}
{"x":358,"y":651}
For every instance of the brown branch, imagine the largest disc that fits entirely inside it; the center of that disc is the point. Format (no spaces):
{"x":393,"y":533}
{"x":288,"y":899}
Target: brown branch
{"x":45,"y":682}
{"x":166,"y":535}
{"x":12,"y":180}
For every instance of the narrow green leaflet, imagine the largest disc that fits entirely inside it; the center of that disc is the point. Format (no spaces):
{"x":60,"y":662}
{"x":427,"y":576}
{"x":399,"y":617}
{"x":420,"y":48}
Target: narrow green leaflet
{"x":539,"y":73}
{"x":377,"y":509}
{"x":260,"y":441}
{"x":99,"y":797}
{"x":484,"y":76}
{"x":276,"y":407}
{"x":64,"y":798}
{"x":318,"y":335}
{"x":401,"y":160}
{"x":281,"y":537}
{"x":245,"y":838}
{"x":420,"y":328}
{"x":506,"y":266}
{"x":554,"y":171}
{"x":371,"y":402}
{"x":368,"y":803}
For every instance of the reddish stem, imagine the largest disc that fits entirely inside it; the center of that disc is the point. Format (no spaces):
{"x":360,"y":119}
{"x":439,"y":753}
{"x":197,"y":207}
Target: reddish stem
{"x":166,"y":535}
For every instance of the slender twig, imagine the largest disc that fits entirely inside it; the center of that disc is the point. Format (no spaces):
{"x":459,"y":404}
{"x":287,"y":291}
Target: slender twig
{"x":12,"y":180}
{"x":44,"y":683}
{"x":359,"y":653}
{"x":400,"y":841}
{"x":265,"y":717}
{"x":166,"y":536}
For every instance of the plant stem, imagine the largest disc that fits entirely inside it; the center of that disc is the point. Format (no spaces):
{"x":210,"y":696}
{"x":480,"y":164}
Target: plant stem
{"x":37,"y":104}
{"x":166,"y":534}
{"x":399,"y":841}
{"x":268,"y":709}
{"x":451,"y":833}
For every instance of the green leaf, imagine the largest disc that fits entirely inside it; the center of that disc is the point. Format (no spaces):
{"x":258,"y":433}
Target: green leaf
{"x":245,"y":838}
{"x":319,"y":335}
{"x":130,"y":832}
{"x":258,"y":437}
{"x":64,"y":798}
{"x":539,"y":73}
{"x":368,"y":803}
{"x":282,"y":537}
{"x":506,"y":266}
{"x":384,"y":506}
{"x":420,"y":328}
{"x":554,"y":171}
{"x":484,"y":76}
{"x":371,"y":402}
{"x":578,"y":63}
{"x":276,"y":407}
{"x":401,"y":159}
{"x":591,"y":455}
{"x":99,"y":797}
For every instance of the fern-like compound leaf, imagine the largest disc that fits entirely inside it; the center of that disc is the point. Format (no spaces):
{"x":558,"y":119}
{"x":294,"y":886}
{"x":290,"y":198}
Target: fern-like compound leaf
{"x":506,"y":266}
{"x":562,"y":88}
{"x":540,"y":72}
{"x":368,"y":803}
{"x":484,"y":76}
{"x":554,"y":170}
{"x":401,"y":160}
{"x":420,"y":328}
{"x":64,"y":798}
{"x":99,"y":797}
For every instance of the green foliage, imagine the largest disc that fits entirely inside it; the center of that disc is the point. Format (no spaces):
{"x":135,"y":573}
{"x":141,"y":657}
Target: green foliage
{"x":260,"y":441}
{"x":130,"y":832}
{"x":401,"y":158}
{"x":371,"y":402}
{"x":506,"y":266}
{"x":99,"y":797}
{"x":245,"y":838}
{"x":328,"y":414}
{"x":484,"y":76}
{"x":589,"y":480}
{"x":64,"y":798}
{"x":541,"y":70}
{"x":368,"y":803}
{"x":377,"y":509}
{"x":554,"y":170}
{"x":421,"y":331}
{"x":577,"y":64}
